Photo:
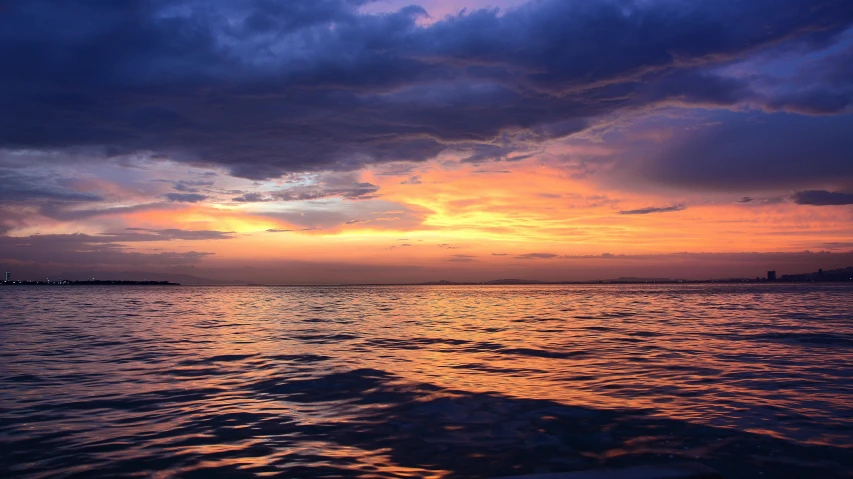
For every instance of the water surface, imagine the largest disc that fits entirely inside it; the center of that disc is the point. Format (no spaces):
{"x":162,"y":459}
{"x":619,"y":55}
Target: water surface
{"x":424,"y":381}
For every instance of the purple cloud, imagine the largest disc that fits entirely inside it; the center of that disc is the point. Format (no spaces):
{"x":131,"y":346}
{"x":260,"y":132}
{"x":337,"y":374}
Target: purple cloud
{"x":822,"y":198}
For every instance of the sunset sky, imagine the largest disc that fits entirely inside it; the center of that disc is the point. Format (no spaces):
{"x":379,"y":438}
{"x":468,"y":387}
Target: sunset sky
{"x":358,"y":141}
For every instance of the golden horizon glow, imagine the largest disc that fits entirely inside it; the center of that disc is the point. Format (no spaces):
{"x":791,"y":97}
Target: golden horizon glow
{"x":473,"y":220}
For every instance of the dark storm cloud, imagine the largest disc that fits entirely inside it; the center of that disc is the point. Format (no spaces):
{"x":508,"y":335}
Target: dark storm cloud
{"x":742,"y":151}
{"x":661,"y":209}
{"x":826,"y":86}
{"x":264,"y":88}
{"x":822,"y":198}
{"x":185,"y":197}
{"x":17,"y":187}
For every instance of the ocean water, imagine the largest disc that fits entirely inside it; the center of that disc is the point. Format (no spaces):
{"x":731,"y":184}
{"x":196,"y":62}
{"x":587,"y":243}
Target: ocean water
{"x":424,"y":381}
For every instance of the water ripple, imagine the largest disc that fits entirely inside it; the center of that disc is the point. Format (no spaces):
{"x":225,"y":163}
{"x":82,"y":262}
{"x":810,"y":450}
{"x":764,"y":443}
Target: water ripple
{"x":400,"y":382}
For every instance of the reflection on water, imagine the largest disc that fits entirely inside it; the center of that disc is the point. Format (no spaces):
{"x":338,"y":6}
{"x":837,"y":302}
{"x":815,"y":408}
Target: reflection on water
{"x":424,"y":381}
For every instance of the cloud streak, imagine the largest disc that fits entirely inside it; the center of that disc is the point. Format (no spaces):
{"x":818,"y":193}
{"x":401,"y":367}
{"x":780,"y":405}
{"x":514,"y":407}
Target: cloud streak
{"x":822,"y":198}
{"x":537,"y":256}
{"x":661,"y":209}
{"x":185,"y":197}
{"x":82,"y":249}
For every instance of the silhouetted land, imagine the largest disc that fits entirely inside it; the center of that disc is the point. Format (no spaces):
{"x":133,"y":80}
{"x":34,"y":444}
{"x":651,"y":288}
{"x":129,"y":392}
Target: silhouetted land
{"x":830,"y":276}
{"x":843,"y":274}
{"x":87,"y":283}
{"x":835,"y":275}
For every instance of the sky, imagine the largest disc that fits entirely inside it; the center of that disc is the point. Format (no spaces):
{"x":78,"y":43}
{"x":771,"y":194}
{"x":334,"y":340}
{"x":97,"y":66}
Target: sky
{"x":358,"y":141}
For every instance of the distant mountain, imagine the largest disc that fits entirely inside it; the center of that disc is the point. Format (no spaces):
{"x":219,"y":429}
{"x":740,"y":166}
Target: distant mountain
{"x":514,"y":281}
{"x":633,"y":279}
{"x":494,"y":281}
{"x":184,"y":279}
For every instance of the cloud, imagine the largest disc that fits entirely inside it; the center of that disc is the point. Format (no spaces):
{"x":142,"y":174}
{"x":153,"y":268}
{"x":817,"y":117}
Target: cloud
{"x":413,"y":180}
{"x":356,"y":191}
{"x":745,"y":199}
{"x":128,"y":235}
{"x":19,"y":187}
{"x":485,"y":152}
{"x":337,"y":88}
{"x":312,"y":216}
{"x":185,"y":197}
{"x":82,"y":249}
{"x":189,"y":186}
{"x":252,"y":198}
{"x":663,"y":209}
{"x":726,"y":151}
{"x":276,"y":230}
{"x":462,"y":258}
{"x":148,"y":234}
{"x":606,"y":256}
{"x":822,"y":198}
{"x":356,"y":222}
{"x":316,"y":187}
{"x":537,"y":256}
{"x":63,"y":212}
{"x":824,"y":88}
{"x":396,"y":169}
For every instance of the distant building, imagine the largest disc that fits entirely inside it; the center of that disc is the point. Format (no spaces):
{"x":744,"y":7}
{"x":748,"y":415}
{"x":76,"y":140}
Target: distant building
{"x":771,"y":276}
{"x":7,"y":277}
{"x":842,"y":274}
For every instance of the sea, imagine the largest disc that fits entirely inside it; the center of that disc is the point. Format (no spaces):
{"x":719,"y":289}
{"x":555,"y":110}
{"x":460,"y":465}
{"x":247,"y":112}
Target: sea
{"x":753,"y":380}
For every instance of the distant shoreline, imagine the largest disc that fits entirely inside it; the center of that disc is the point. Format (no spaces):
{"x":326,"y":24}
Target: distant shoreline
{"x":841,"y":275}
{"x":436,"y":283}
{"x":88,"y":283}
